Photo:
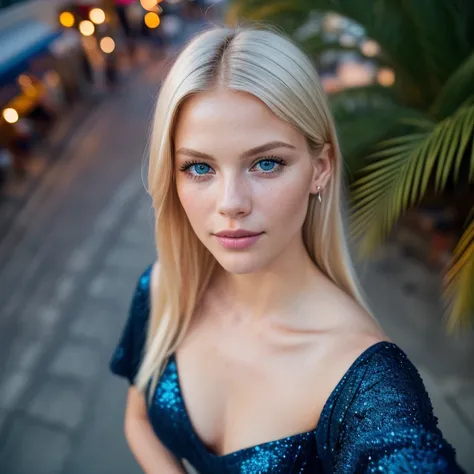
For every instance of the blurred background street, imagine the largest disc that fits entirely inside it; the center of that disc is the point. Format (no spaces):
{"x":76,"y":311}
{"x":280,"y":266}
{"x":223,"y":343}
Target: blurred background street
{"x":76,"y":227}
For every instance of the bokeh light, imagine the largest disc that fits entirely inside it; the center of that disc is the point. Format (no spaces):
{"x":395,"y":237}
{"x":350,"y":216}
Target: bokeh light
{"x":354,"y":74}
{"x":66,"y":19}
{"x":152,"y":20}
{"x":332,"y":22}
{"x":86,"y":27}
{"x":10,"y":115}
{"x":97,"y":16}
{"x":107,"y":44}
{"x":370,"y":48}
{"x":386,"y":77}
{"x":148,"y":4}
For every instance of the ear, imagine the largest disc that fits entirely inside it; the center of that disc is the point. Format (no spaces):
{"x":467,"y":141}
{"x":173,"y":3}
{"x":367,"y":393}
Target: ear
{"x":322,"y":168}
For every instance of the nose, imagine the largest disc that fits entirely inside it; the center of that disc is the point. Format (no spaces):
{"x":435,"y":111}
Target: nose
{"x":235,"y":198}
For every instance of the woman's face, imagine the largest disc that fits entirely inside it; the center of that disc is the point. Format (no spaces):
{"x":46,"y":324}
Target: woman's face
{"x":239,"y":167}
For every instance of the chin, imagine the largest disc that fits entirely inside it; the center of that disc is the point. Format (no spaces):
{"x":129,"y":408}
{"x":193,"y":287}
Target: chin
{"x":240,"y":263}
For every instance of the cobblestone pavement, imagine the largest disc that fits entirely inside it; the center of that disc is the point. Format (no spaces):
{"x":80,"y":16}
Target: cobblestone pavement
{"x":67,"y":273}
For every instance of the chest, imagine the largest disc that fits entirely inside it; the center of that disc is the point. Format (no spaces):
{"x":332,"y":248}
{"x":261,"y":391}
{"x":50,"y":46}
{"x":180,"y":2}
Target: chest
{"x":169,"y":418}
{"x":238,"y":395}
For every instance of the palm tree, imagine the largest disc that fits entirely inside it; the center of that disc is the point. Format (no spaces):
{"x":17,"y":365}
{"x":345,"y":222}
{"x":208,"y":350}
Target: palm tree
{"x":418,"y":134}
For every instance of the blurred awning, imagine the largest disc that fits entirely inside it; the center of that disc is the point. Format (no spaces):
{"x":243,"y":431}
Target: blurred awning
{"x":22,"y":43}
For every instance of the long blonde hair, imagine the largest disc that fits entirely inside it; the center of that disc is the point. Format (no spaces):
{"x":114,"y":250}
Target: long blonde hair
{"x":269,"y":66}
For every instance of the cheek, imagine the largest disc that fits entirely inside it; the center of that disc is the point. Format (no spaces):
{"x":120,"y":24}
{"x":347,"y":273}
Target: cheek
{"x":289,"y":202}
{"x":193,"y":202}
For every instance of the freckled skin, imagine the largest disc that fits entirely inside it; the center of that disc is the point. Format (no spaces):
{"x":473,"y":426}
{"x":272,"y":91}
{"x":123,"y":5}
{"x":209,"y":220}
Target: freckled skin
{"x":236,"y":194}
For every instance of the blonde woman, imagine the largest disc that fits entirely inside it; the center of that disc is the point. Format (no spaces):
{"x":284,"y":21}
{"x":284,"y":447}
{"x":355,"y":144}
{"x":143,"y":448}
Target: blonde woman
{"x":249,"y":347}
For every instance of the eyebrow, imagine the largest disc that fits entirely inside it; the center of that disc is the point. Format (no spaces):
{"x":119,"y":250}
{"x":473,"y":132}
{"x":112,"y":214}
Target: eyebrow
{"x":246,"y":154}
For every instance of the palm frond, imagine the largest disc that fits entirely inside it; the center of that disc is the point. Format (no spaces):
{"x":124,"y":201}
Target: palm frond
{"x":358,"y":133}
{"x":365,"y":116}
{"x":457,"y":89}
{"x":420,"y":122}
{"x":437,"y":25}
{"x":373,"y":196}
{"x":400,"y":175}
{"x":459,"y":281}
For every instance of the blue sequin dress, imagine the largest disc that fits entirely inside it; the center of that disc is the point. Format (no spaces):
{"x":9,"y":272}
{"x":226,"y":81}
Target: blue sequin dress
{"x":379,"y":418}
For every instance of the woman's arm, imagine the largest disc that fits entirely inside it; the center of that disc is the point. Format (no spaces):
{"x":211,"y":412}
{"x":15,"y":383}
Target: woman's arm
{"x":150,"y":453}
{"x":389,"y":425}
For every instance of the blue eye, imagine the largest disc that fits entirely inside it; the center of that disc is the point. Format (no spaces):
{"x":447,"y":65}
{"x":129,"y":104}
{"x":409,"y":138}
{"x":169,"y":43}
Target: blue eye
{"x":267,"y":165}
{"x":201,"y":168}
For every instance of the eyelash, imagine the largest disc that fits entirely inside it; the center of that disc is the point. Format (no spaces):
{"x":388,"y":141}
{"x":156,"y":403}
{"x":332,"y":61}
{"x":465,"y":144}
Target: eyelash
{"x":186,"y":165}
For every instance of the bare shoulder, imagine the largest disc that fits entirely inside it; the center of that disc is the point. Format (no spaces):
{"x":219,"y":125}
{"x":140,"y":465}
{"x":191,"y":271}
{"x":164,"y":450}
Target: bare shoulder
{"x":349,"y":322}
{"x":347,"y":330}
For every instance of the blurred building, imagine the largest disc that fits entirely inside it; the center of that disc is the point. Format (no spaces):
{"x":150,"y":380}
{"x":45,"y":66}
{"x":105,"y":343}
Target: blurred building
{"x":41,"y":73}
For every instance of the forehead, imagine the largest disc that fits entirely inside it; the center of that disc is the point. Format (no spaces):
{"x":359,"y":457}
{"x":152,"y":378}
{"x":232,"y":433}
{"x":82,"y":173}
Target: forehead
{"x":230,"y":118}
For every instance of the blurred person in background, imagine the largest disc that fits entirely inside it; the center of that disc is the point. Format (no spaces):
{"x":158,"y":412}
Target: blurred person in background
{"x":249,"y":346}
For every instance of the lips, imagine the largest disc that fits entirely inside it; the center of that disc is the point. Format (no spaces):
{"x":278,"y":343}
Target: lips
{"x":240,"y":239}
{"x":236,"y":234}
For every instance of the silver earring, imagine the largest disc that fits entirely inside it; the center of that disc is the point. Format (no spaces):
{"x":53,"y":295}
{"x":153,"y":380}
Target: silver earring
{"x":319,"y":194}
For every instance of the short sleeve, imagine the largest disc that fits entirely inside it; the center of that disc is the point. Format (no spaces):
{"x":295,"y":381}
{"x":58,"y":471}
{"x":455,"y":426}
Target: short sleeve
{"x":127,"y":356}
{"x":389,"y":425}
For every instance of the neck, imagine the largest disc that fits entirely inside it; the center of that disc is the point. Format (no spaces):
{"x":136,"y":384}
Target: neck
{"x":275,"y":291}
